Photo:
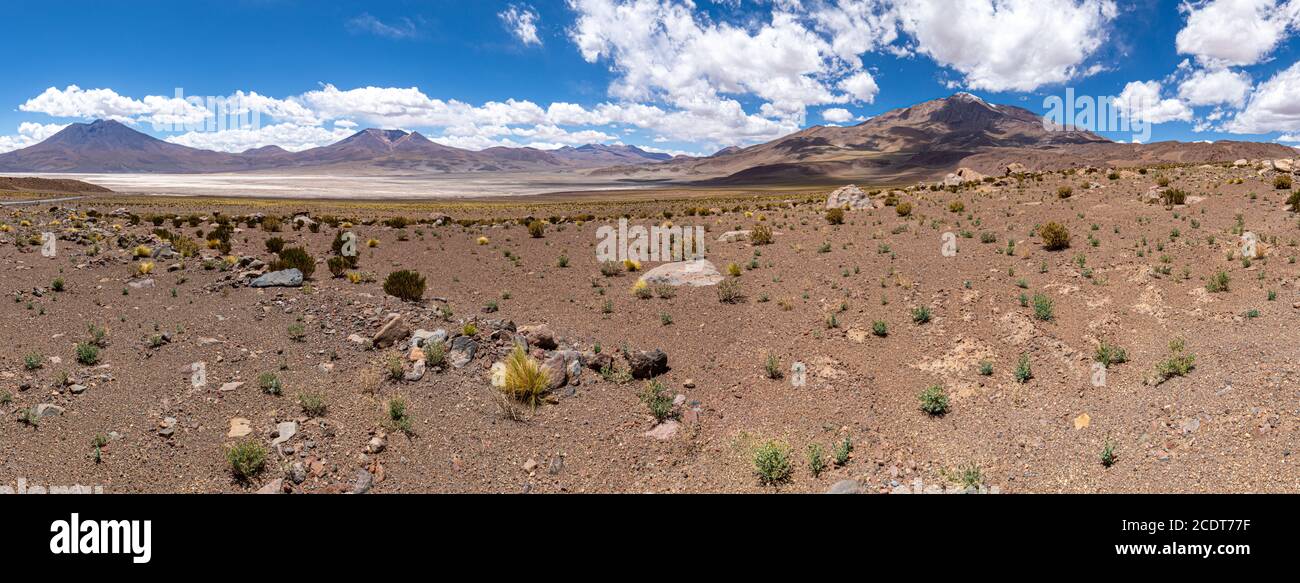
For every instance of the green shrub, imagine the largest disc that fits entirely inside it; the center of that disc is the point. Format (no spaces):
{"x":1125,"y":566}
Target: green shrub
{"x":1218,"y":283}
{"x":33,"y":361}
{"x":246,"y":459}
{"x":1023,"y":371}
{"x":816,"y":459}
{"x":313,"y":404}
{"x":87,"y":353}
{"x":269,"y":383}
{"x":1179,"y":362}
{"x":537,"y":229}
{"x":773,"y":367}
{"x":903,"y":209}
{"x":921,"y":315}
{"x":658,"y":401}
{"x":934,"y":400}
{"x":295,"y":258}
{"x":398,"y":417}
{"x":1282,"y":182}
{"x":842,"y":451}
{"x":1043,"y":307}
{"x":405,"y":285}
{"x":275,"y":245}
{"x":435,"y":353}
{"x":1108,"y":354}
{"x":835,"y":216}
{"x":772,"y":463}
{"x":880,"y":328}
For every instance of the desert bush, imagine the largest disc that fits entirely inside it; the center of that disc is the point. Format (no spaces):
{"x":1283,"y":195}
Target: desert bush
{"x":835,"y":216}
{"x":270,"y":384}
{"x":275,"y":245}
{"x":1055,"y":236}
{"x":842,"y":451}
{"x":1179,"y":363}
{"x":934,"y":400}
{"x":1218,"y":282}
{"x":880,"y":328}
{"x":313,"y":404}
{"x":921,"y":314}
{"x":1108,"y":456}
{"x":611,"y":268}
{"x":246,"y":459}
{"x":33,"y":361}
{"x":405,"y":285}
{"x":1282,"y":182}
{"x":816,"y":459}
{"x":537,"y":229}
{"x":87,"y":354}
{"x":271,"y":224}
{"x":435,"y":353}
{"x":762,"y":235}
{"x":772,"y":366}
{"x":956,"y":206}
{"x":903,"y":209}
{"x":398,"y":417}
{"x":1173,"y":196}
{"x":338,"y":265}
{"x":1043,"y":307}
{"x":1023,"y":371}
{"x":1108,"y":354}
{"x":772,"y":463}
{"x":1293,"y":202}
{"x":295,"y":258}
{"x":660,"y":403}
{"x":1065,"y":192}
{"x":729,"y":291}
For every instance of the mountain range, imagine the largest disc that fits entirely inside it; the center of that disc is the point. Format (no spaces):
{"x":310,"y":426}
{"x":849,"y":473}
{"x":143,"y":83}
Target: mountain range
{"x":915,"y":143}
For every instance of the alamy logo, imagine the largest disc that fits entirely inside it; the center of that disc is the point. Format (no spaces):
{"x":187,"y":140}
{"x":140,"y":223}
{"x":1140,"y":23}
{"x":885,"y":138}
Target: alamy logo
{"x":657,"y":243}
{"x":94,"y":537}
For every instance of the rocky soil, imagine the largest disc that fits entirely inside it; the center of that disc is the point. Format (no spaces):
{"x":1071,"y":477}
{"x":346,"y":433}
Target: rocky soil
{"x":659,"y":387}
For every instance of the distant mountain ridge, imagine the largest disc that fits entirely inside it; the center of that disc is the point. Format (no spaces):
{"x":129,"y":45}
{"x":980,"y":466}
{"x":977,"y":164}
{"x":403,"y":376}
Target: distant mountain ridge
{"x":106,"y":146}
{"x":921,"y":142}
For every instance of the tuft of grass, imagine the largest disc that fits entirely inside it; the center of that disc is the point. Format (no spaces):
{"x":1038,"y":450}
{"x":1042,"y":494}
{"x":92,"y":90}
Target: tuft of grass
{"x":525,"y":379}
{"x":880,"y":328}
{"x":773,"y":367}
{"x":435,"y":354}
{"x":33,"y":361}
{"x":986,"y":368}
{"x":398,"y":417}
{"x":87,"y":354}
{"x":1218,"y":283}
{"x":1179,"y":363}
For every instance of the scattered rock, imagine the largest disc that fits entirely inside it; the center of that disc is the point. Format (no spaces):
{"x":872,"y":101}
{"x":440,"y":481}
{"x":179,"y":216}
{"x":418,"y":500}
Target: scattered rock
{"x":647,"y":363}
{"x":664,"y":431}
{"x":284,"y":278}
{"x":393,"y":331}
{"x":239,"y":427}
{"x":850,"y":197}
{"x":462,"y":351}
{"x":696,"y":273}
{"x":846,"y":487}
{"x":285,"y":431}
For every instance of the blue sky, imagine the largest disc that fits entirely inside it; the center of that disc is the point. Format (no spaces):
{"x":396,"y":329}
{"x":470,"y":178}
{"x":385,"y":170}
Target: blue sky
{"x":669,"y":75}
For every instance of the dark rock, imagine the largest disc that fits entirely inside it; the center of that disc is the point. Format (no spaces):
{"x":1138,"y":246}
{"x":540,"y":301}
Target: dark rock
{"x":647,"y":363}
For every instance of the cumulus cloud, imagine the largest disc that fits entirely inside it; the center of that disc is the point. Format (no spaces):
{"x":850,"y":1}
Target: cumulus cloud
{"x":290,"y":136}
{"x":1272,"y":107}
{"x":29,"y":134}
{"x":1009,"y":45}
{"x":1214,"y":88}
{"x":521,"y":21}
{"x":1141,"y":101}
{"x":1236,"y":32}
{"x":836,"y":115}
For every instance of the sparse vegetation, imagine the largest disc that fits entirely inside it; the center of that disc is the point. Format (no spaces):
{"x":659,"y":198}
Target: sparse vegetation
{"x":1055,"y":236}
{"x":772,"y":463}
{"x":405,"y":285}
{"x":246,"y":459}
{"x":934,"y":400}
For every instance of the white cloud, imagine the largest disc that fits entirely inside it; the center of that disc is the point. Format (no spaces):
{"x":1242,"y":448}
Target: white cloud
{"x":521,"y":21}
{"x":1009,"y":45}
{"x":29,"y":134}
{"x":1236,"y":32}
{"x":1141,"y":101}
{"x":292,"y":137}
{"x":1273,"y":106}
{"x":836,"y":115}
{"x":1289,"y":138}
{"x":400,"y":29}
{"x":1215,"y":87}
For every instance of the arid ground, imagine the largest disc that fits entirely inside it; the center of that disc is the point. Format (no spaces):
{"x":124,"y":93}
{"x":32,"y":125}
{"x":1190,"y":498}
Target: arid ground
{"x":98,"y":383}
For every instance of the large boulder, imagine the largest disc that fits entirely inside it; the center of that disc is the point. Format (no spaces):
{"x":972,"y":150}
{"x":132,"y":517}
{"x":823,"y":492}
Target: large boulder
{"x":698,"y":272}
{"x":285,"y":278}
{"x":647,"y":363}
{"x":1284,"y":165}
{"x":850,"y":197}
{"x":539,"y":336}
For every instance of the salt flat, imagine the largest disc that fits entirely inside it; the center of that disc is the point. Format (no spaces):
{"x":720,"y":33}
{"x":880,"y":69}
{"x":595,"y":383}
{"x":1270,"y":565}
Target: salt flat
{"x":320,"y":186}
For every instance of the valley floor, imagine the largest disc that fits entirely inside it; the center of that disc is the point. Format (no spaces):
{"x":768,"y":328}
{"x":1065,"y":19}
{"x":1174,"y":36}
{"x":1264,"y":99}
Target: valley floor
{"x":1136,"y":276}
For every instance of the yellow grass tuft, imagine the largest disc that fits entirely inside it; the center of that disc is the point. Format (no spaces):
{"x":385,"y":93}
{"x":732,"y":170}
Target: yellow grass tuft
{"x":524,"y":379}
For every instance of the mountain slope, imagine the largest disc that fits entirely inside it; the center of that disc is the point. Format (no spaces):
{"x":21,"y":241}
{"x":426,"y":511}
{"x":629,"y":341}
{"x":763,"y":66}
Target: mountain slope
{"x":109,"y":146}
